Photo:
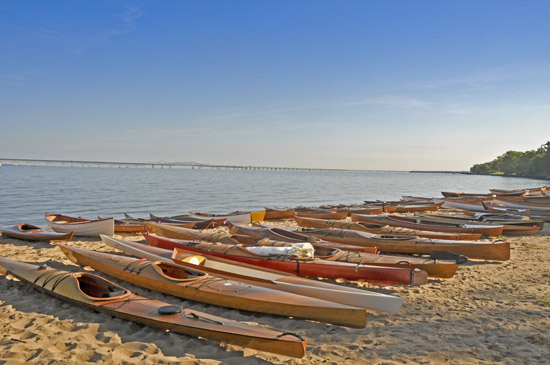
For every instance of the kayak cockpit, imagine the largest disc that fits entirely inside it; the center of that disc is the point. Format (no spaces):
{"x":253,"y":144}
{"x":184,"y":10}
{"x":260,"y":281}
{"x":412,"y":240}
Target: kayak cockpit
{"x":177,"y":273}
{"x":98,"y":288}
{"x":25,"y":227}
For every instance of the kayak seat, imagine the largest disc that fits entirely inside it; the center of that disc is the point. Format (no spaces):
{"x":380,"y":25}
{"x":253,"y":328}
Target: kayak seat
{"x":113,"y":292}
{"x":97,"y":287}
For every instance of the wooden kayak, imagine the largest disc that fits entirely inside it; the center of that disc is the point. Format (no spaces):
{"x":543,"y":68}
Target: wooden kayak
{"x":404,"y":206}
{"x":263,"y":277}
{"x":534,"y":191}
{"x":452,"y":194}
{"x":199,"y":286}
{"x":302,"y":267}
{"x":81,"y":227}
{"x":235,"y":217}
{"x":499,"y":250}
{"x":360,"y":210}
{"x":323,"y":215}
{"x":469,"y":203}
{"x":434,"y":268}
{"x":276,"y":213}
{"x":96,"y":293}
{"x":238,"y":217}
{"x":194,"y":223}
{"x":382,"y":229}
{"x":522,"y":204}
{"x":531,"y":213}
{"x":416,"y":223}
{"x":409,"y":208}
{"x":514,"y":227}
{"x":201,"y":223}
{"x":182,"y":233}
{"x":29,"y":232}
{"x":285,"y":235}
{"x":247,"y":235}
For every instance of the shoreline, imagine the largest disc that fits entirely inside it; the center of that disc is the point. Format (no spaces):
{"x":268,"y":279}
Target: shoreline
{"x":489,"y":312}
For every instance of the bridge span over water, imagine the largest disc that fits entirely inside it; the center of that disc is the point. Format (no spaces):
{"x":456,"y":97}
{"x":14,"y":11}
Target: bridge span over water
{"x":163,"y":165}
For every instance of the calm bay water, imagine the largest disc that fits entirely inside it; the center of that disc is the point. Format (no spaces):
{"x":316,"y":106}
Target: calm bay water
{"x":27,"y":192}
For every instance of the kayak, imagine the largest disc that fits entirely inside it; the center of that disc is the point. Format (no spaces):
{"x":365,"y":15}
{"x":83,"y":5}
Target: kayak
{"x":96,"y":293}
{"x":483,"y":250}
{"x":511,"y":227}
{"x":194,"y":284}
{"x":248,"y":235}
{"x":80,"y":226}
{"x":279,"y":213}
{"x":261,"y":276}
{"x":29,"y":232}
{"x":382,"y":229}
{"x":416,"y":223}
{"x":302,"y":267}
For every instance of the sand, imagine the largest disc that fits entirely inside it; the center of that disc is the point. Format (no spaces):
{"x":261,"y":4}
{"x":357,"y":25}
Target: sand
{"x":490,"y":312}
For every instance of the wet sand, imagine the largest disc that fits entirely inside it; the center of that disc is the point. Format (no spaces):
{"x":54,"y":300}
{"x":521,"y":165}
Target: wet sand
{"x":489,"y":312}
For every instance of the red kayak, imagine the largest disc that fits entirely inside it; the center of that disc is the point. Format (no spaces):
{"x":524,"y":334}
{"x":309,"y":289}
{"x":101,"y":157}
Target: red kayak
{"x":298,"y":266}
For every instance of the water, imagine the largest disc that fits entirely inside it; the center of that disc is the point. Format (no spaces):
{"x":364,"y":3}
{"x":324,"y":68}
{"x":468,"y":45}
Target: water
{"x":27,"y":192}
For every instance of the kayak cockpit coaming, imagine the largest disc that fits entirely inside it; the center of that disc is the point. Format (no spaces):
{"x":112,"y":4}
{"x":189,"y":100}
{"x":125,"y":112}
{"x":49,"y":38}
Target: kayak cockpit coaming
{"x":177,"y":273}
{"x":96,"y":288}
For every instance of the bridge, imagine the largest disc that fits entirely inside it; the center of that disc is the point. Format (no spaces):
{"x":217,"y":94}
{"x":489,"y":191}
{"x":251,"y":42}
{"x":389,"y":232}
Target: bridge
{"x":162,"y":165}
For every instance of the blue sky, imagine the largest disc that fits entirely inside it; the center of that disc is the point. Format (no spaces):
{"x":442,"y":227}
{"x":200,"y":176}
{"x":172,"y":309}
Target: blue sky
{"x":431,"y":85}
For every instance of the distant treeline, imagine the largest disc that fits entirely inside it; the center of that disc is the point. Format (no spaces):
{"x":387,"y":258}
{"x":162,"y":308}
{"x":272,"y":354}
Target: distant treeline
{"x":529,"y":163}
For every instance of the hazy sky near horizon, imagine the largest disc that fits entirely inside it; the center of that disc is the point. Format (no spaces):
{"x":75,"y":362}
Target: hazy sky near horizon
{"x":425,"y":85}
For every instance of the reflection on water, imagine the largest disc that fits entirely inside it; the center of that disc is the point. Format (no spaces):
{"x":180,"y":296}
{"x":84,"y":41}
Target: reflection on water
{"x":26,"y":193}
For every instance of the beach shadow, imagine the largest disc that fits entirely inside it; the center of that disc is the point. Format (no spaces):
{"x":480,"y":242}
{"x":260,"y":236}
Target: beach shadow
{"x":481,"y":262}
{"x":27,"y":244}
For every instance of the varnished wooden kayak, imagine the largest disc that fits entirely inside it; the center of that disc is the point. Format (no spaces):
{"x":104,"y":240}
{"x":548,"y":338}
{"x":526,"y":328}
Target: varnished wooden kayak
{"x":515,"y":227}
{"x":80,"y":227}
{"x":191,"y":222}
{"x":263,"y":277}
{"x":382,"y":229}
{"x":452,"y":194}
{"x":409,"y":208}
{"x":248,"y":235}
{"x":96,"y":293}
{"x":361,"y":210}
{"x":302,"y":267}
{"x":197,"y":285}
{"x":416,"y":223}
{"x":182,"y":233}
{"x":236,"y":217}
{"x":533,"y":191}
{"x":531,"y":213}
{"x":471,"y":204}
{"x":29,"y":232}
{"x":275,"y":213}
{"x":404,"y":206}
{"x":499,"y":250}
{"x":433,"y":267}
{"x":523,"y":204}
{"x":323,"y":215}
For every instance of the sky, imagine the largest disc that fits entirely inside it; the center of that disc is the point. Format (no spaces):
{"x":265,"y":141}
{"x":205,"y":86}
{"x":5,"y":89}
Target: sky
{"x":392,"y":85}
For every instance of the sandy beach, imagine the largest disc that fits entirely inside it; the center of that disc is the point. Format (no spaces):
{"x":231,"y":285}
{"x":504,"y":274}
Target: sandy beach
{"x":489,"y":312}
